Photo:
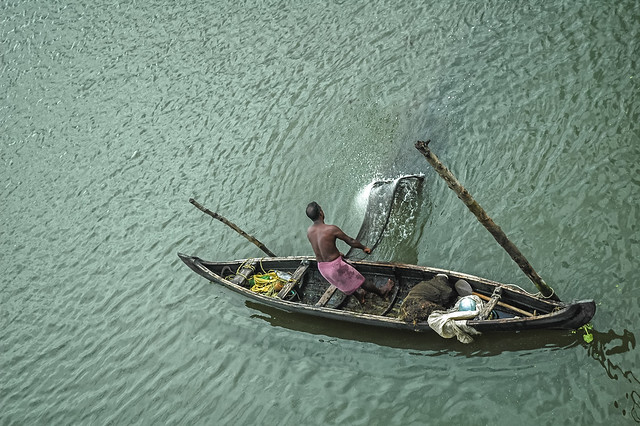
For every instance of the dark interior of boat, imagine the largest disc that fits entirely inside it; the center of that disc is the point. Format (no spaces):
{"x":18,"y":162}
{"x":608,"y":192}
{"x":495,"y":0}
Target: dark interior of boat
{"x":312,"y":289}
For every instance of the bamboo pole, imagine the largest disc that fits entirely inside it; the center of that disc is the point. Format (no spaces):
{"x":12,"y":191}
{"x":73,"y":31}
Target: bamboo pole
{"x":485,"y":220}
{"x":504,"y":305}
{"x":232,"y":226}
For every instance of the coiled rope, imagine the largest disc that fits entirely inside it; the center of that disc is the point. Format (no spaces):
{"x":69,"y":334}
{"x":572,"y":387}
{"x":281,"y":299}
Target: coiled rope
{"x":266,"y":283}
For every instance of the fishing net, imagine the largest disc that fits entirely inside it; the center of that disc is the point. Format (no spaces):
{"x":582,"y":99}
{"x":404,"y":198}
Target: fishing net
{"x":383,"y":198}
{"x":425,"y":297}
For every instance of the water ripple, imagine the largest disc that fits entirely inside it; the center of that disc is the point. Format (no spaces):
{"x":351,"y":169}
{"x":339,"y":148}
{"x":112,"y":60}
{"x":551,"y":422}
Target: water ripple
{"x":114,"y":115}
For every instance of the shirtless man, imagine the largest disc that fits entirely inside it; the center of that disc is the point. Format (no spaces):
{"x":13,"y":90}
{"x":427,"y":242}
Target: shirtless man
{"x":330,"y":262}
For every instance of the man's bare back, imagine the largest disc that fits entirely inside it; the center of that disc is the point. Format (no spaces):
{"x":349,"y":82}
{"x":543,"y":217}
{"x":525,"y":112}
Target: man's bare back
{"x":323,"y":241}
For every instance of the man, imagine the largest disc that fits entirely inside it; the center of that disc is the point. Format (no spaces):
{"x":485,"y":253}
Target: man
{"x":330,"y":262}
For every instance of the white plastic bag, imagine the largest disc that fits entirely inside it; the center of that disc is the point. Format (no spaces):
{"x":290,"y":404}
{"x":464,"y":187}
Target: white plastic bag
{"x":453,"y":323}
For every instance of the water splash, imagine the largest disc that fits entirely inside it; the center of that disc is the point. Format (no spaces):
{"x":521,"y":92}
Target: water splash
{"x":379,"y":198}
{"x":362,"y":199}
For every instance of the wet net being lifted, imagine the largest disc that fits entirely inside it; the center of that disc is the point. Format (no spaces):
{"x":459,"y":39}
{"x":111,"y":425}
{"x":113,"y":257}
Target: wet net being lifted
{"x":383,"y":196}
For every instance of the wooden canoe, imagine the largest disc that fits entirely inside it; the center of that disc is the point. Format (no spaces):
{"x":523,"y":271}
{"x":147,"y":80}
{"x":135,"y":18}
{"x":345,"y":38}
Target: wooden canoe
{"x":517,"y":309}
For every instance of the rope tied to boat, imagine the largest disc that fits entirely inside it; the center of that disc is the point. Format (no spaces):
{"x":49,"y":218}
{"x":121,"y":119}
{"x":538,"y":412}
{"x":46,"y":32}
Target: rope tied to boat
{"x":538,"y":295}
{"x":551,"y":296}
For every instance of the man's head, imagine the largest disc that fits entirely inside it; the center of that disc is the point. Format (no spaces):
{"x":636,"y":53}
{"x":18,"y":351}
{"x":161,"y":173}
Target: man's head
{"x":314,"y":211}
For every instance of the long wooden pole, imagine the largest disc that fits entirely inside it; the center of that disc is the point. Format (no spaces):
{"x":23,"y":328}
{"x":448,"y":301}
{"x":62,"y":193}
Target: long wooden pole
{"x":232,"y":226}
{"x":485,"y":220}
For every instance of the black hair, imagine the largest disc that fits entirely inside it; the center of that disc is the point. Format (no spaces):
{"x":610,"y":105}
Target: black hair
{"x":313,"y":211}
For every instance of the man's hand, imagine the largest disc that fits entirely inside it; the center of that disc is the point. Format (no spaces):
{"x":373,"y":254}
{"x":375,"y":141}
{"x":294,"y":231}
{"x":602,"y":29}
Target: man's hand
{"x":367,"y":250}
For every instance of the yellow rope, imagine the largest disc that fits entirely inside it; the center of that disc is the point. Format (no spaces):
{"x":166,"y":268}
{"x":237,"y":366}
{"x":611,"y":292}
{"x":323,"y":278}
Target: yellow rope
{"x":268,"y":284}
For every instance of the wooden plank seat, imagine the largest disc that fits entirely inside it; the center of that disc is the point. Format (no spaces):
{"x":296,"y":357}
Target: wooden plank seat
{"x":326,"y":296}
{"x":295,"y":279}
{"x":488,"y":307}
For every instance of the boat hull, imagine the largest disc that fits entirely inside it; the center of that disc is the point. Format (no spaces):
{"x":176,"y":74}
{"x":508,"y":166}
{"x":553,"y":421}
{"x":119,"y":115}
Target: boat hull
{"x":540,"y":313}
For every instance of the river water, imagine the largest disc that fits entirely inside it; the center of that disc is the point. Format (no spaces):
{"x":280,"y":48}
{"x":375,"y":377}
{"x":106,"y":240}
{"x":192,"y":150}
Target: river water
{"x":113,"y":115}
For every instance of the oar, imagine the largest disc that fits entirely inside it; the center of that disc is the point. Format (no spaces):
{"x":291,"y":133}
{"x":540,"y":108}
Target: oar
{"x":486,"y":221}
{"x":232,"y":226}
{"x":504,"y":305}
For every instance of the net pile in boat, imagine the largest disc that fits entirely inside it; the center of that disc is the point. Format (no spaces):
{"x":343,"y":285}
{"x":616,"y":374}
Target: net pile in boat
{"x":425,"y":297}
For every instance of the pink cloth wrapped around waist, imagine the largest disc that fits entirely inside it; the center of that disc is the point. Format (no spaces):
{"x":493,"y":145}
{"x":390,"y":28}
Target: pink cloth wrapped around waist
{"x":341,"y":274}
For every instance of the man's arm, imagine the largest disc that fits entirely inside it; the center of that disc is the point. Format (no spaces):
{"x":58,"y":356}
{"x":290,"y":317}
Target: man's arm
{"x":351,"y":241}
